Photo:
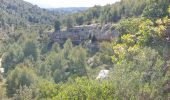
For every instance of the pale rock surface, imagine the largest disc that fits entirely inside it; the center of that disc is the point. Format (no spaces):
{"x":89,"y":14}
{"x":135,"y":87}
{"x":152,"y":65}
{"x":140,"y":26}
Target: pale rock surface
{"x":103,"y":74}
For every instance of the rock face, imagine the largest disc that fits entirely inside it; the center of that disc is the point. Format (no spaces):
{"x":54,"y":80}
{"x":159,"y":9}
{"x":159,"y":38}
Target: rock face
{"x":103,"y":74}
{"x":0,"y":62}
{"x":79,"y":34}
{"x":1,"y":69}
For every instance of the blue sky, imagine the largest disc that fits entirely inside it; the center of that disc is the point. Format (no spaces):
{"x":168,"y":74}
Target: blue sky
{"x":70,"y":3}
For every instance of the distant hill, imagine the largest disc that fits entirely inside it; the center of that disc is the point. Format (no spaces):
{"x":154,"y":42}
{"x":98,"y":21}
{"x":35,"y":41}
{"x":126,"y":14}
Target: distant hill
{"x":19,"y":12}
{"x":68,"y":10}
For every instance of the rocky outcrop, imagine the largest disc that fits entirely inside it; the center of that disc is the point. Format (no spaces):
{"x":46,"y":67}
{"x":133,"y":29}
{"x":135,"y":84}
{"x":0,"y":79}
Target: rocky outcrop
{"x":1,"y":69}
{"x":103,"y":74}
{"x":85,"y":32}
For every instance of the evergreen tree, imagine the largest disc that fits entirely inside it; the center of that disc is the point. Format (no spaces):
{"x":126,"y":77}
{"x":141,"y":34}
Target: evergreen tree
{"x":57,"y":26}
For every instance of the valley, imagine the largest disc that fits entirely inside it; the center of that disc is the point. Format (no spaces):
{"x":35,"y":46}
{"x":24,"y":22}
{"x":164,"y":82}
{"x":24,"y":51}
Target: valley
{"x":113,"y":52}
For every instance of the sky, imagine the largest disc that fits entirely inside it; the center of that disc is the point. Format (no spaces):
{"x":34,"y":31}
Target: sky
{"x":69,"y":3}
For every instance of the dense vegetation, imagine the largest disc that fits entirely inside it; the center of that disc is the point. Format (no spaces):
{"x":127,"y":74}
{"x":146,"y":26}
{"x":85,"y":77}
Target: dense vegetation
{"x":20,"y":12}
{"x":124,"y":9}
{"x":38,"y":68}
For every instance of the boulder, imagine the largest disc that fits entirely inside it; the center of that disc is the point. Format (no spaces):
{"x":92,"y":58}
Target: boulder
{"x":1,"y":70}
{"x":103,"y":74}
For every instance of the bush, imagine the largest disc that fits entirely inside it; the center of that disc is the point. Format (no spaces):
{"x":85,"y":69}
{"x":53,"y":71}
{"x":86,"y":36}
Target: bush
{"x":141,"y":75}
{"x":18,"y":78}
{"x":80,"y":89}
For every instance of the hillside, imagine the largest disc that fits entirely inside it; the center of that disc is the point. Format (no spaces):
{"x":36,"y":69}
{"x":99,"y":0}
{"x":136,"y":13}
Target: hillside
{"x":19,"y":12}
{"x":124,"y":9}
{"x":119,"y":51}
{"x":19,"y":17}
{"x":68,"y":10}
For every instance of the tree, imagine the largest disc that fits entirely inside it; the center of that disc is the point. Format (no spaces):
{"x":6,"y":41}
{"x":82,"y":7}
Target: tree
{"x":56,"y":47}
{"x":69,"y":23}
{"x":11,"y":58}
{"x":25,"y":93}
{"x":79,"y":20}
{"x":94,"y":39}
{"x":78,"y":90}
{"x":77,"y":61}
{"x":142,"y":70}
{"x":57,"y":26}
{"x":126,"y":26}
{"x":67,"y":48}
{"x":48,"y":90}
{"x":156,"y":9}
{"x":30,"y":49}
{"x":18,"y":78}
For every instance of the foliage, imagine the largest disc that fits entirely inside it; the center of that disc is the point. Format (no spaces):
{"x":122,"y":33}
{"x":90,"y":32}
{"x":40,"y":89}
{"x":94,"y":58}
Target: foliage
{"x":123,"y":9}
{"x":128,"y":26}
{"x":57,"y":26}
{"x":14,"y":56}
{"x":156,"y":9}
{"x":18,"y":78}
{"x":79,"y":89}
{"x":24,"y":93}
{"x":141,"y":68}
{"x":31,"y":50}
{"x":79,"y":19}
{"x":2,"y":91}
{"x":69,"y":23}
{"x":67,"y":47}
{"x":18,"y":13}
{"x":77,"y":61}
{"x":48,"y":90}
{"x":138,"y":69}
{"x":36,"y":67}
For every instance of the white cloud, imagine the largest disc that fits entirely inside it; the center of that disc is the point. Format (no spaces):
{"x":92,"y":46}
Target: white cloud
{"x":70,"y":3}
